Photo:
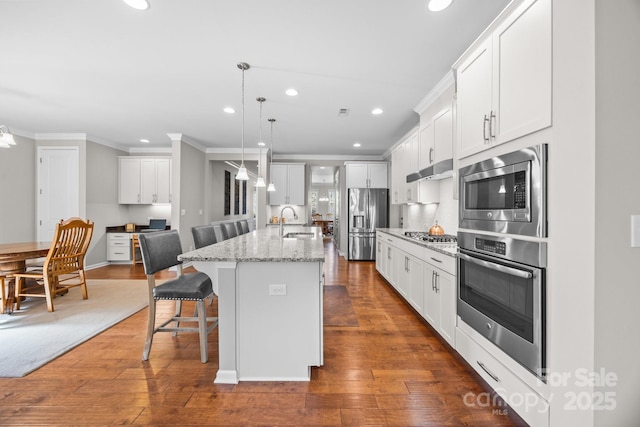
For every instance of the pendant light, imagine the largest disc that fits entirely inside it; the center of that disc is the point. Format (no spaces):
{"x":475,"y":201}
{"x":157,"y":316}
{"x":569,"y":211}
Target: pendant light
{"x":260,"y":181}
{"x":271,"y":187}
{"x":242,"y":171}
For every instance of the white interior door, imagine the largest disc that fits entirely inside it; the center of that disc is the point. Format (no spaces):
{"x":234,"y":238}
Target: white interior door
{"x":58,"y":188}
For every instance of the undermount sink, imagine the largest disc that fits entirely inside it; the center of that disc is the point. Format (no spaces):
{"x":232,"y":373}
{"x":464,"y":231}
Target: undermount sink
{"x":299,"y":235}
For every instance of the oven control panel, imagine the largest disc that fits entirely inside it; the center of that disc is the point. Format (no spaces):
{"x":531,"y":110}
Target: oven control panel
{"x":491,"y":246}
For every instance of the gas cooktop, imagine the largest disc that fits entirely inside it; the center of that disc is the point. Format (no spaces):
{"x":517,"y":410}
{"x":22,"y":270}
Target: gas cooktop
{"x":426,"y":237}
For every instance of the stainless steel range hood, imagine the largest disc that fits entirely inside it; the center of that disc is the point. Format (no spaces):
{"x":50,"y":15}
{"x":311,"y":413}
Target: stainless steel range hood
{"x":442,"y":169}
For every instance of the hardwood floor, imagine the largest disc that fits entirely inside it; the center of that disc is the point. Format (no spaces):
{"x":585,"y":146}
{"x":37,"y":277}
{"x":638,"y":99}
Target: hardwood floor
{"x":383,"y":367}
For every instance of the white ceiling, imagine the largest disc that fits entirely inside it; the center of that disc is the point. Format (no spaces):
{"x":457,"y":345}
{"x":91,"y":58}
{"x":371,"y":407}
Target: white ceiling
{"x":118,"y":75}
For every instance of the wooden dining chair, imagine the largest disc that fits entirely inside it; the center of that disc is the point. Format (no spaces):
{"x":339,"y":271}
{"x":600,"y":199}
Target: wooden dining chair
{"x":135,"y":244}
{"x":63,"y":267}
{"x":3,"y":295}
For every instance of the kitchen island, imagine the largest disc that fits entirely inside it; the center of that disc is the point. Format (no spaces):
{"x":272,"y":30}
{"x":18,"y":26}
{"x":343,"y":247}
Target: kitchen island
{"x":270,"y":291}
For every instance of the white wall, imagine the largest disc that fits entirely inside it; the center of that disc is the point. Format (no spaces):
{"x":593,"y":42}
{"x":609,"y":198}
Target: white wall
{"x":102,"y":198}
{"x":17,"y":191}
{"x":191,"y":189}
{"x":617,"y":266}
{"x":419,"y":217}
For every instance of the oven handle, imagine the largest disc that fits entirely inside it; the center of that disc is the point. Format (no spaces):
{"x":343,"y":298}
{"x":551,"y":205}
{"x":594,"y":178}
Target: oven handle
{"x":498,"y":267}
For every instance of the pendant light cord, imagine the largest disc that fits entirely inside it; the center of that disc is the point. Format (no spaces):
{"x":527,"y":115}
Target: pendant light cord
{"x":243,"y":68}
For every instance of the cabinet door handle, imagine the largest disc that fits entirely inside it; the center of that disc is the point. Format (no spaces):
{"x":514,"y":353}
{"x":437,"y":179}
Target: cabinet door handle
{"x":491,"y":374}
{"x":138,"y":198}
{"x":436,"y":282}
{"x":484,"y":129}
{"x":492,"y":119}
{"x":436,"y":259}
{"x":431,"y":155}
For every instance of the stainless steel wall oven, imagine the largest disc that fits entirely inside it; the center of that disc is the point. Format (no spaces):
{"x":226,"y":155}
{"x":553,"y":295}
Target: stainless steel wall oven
{"x":506,"y":194}
{"x":501,"y":294}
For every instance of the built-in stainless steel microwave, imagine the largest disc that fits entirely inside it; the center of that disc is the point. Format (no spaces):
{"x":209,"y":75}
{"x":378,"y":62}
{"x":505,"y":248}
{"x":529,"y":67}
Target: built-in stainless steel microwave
{"x":506,"y":194}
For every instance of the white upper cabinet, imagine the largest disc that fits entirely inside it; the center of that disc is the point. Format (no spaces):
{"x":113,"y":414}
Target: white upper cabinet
{"x":163,"y":181}
{"x":436,"y":138}
{"x":504,"y":82}
{"x":427,"y":145}
{"x":289,"y":180}
{"x":443,"y":135}
{"x":367,"y":175}
{"x":143,"y":181}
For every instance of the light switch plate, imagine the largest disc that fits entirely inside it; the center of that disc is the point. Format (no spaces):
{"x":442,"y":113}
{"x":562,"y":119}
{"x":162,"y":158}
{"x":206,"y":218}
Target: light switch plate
{"x":635,"y":231}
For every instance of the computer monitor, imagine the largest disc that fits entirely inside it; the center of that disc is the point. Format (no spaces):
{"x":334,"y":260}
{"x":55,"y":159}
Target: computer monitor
{"x":157,"y":224}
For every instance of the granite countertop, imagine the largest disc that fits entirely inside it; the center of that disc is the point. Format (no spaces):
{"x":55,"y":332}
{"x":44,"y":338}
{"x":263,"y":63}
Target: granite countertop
{"x":264,"y":245}
{"x":450,"y":249}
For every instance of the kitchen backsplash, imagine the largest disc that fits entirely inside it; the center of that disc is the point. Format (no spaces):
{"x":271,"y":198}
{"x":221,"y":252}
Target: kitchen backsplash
{"x":419,"y":217}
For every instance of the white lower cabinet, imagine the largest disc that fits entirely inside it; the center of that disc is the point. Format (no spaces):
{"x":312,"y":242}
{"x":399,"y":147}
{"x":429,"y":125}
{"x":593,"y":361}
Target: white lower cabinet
{"x":118,"y":247}
{"x":424,"y":278}
{"x":529,"y":404}
{"x":440,"y":294}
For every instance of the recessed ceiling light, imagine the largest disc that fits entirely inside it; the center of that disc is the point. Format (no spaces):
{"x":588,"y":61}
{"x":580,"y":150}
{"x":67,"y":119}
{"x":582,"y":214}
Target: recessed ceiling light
{"x":261,"y":144}
{"x":229,"y":110}
{"x":144,"y":140}
{"x":357,"y":145}
{"x":438,"y":5}
{"x":138,"y":4}
{"x":376,"y":111}
{"x":291,"y":92}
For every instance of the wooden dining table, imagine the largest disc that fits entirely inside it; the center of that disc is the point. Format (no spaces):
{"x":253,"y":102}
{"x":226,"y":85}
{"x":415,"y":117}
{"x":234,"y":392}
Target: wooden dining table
{"x":324,"y":224}
{"x":13,"y":259}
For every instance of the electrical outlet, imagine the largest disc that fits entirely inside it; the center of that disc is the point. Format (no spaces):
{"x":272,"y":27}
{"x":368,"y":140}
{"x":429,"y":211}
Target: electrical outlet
{"x":278,"y":290}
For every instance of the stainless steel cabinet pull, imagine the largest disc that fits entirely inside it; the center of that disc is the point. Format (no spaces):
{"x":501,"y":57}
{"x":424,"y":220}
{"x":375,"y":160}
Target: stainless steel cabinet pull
{"x":484,"y":129}
{"x":431,"y":155}
{"x":436,"y":282}
{"x":497,"y":267}
{"x":491,"y":374}
{"x":436,"y":259}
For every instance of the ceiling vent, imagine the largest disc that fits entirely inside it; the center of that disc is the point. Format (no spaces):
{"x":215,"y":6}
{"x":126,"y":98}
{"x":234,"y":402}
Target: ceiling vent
{"x":343,"y":112}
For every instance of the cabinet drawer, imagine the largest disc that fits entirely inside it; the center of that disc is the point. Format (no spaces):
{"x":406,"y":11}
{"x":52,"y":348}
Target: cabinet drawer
{"x":119,"y":236}
{"x":529,"y":405}
{"x":411,"y":248}
{"x":442,"y":261}
{"x":119,"y":253}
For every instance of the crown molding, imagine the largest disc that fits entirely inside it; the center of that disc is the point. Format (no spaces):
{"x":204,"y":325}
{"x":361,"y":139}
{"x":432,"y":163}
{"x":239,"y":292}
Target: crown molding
{"x":327,"y":157}
{"x":445,"y":83}
{"x":60,"y":136}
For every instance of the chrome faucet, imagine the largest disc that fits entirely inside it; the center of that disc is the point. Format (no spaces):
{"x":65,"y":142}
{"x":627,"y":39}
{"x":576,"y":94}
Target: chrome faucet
{"x":295,"y":216}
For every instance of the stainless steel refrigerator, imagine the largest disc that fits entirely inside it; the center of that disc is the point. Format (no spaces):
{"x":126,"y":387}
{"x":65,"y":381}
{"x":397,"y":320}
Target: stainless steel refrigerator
{"x":368,"y":210}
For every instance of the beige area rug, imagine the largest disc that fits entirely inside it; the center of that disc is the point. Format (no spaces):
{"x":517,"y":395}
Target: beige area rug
{"x":31,"y":337}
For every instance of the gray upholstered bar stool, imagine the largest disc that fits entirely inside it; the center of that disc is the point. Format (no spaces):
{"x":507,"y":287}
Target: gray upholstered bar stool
{"x":160,"y":251}
{"x":243,"y":224}
{"x":229,"y":230}
{"x":203,"y":235}
{"x":217,"y":228}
